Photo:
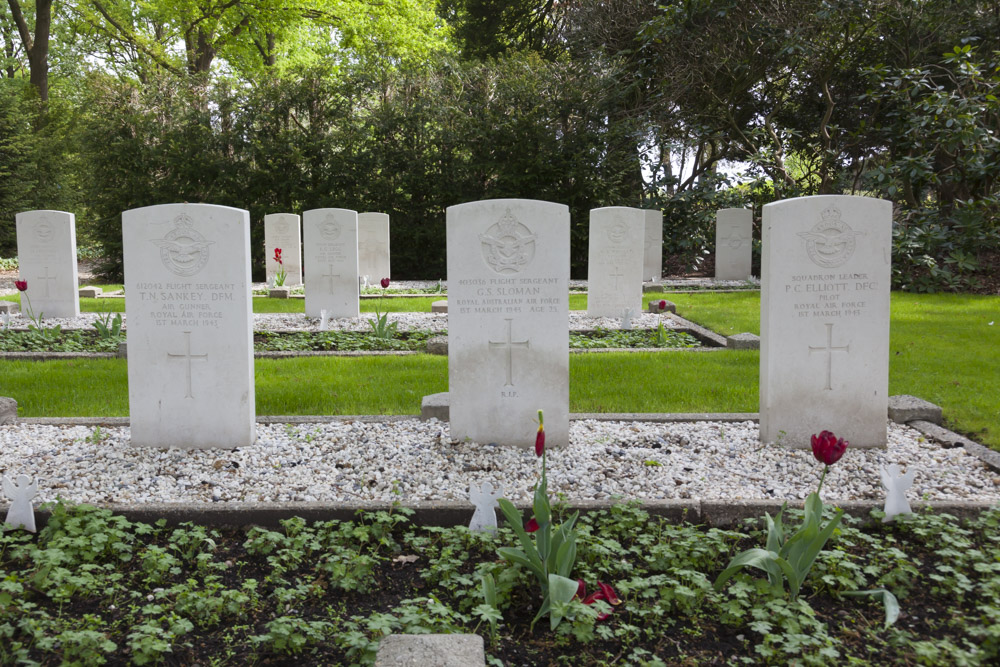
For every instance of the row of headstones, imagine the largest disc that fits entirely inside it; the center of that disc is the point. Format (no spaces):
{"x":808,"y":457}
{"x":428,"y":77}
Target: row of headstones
{"x":824,"y":319}
{"x":625,"y":249}
{"x":283,"y":231}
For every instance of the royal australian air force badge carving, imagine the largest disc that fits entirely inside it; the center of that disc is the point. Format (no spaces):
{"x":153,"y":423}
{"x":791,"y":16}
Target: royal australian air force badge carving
{"x":508,"y":245}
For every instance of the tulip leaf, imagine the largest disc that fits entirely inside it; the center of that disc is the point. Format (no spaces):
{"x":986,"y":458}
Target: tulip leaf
{"x":765,"y":560}
{"x":566,"y":556}
{"x":888,"y":599}
{"x":543,"y":511}
{"x":514,"y":518}
{"x":515,"y":556}
{"x":489,"y":590}
{"x":561,"y":590}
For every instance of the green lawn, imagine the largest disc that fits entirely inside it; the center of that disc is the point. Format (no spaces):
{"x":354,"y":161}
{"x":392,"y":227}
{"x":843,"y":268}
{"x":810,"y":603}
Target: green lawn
{"x":942,"y":348}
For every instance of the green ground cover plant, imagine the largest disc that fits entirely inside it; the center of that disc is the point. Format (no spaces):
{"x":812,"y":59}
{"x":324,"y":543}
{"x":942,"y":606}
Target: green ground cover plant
{"x":95,"y":588}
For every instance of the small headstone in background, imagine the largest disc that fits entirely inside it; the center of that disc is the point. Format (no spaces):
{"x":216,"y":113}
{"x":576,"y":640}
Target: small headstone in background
{"x":743,"y":341}
{"x":508,"y":320}
{"x":373,"y":246}
{"x":485,"y":499}
{"x":8,"y":410}
{"x":439,"y":306}
{"x":905,"y":408}
{"x":437,"y":345}
{"x":190,"y":326}
{"x":21,"y":513}
{"x":331,"y":259}
{"x":46,"y":255}
{"x":281,"y":230}
{"x":615,"y":260}
{"x":895,"y":485}
{"x":733,"y":243}
{"x":662,"y":306}
{"x":824,"y":319}
{"x":652,"y":259}
{"x":90,"y":292}
{"x":8,"y":307}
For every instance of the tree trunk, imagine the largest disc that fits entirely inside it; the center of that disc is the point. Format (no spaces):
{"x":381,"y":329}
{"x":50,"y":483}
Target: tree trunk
{"x":37,"y":49}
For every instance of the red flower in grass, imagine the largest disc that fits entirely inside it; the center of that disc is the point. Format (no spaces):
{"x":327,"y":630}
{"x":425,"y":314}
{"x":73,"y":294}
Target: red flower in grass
{"x":663,"y":304}
{"x":385,"y":283}
{"x":21,"y":285}
{"x":828,"y":448}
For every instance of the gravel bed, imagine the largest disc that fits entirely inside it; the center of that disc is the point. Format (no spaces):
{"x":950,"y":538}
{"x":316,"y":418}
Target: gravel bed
{"x":413,"y":461}
{"x":578,"y":321}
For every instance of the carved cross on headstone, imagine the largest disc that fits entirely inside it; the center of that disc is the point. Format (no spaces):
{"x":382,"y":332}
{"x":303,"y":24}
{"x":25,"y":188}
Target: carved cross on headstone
{"x":510,"y":344}
{"x":616,"y":276}
{"x":189,"y":357}
{"x":21,"y":513}
{"x":485,"y":499}
{"x":331,"y":276}
{"x":895,"y":486}
{"x":46,"y":278}
{"x":829,"y":350}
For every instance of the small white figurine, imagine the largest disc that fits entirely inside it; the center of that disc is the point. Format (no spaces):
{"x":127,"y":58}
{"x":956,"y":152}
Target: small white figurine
{"x":485,"y":499}
{"x":5,"y":316}
{"x":627,"y":315}
{"x":21,"y":514}
{"x":895,"y":486}
{"x":364,"y":282}
{"x":324,"y":320}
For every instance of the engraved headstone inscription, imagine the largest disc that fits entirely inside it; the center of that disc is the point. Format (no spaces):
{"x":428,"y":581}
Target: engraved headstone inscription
{"x":733,"y":243}
{"x":282,"y":230}
{"x":373,"y":246}
{"x":615,"y":261}
{"x":824,"y":319}
{"x":46,"y":254}
{"x":190,"y":326}
{"x":652,"y":259}
{"x":330,"y":239}
{"x":508,"y":320}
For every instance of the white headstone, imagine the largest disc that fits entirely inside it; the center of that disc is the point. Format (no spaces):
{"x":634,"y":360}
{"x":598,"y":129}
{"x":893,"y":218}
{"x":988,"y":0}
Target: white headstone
{"x":46,"y":256}
{"x":733,"y":243}
{"x":190,"y":326}
{"x":824,"y":319}
{"x":895,"y":485}
{"x":652,"y":262}
{"x":373,"y":246}
{"x":485,"y":499}
{"x":615,"y":261}
{"x":508,"y":320}
{"x":331,"y":255}
{"x":281,"y":230}
{"x":21,"y":513}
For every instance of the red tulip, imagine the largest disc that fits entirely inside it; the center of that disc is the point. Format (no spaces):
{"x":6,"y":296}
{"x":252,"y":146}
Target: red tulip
{"x":663,"y":304}
{"x":827,"y":448}
{"x":581,"y":589}
{"x":277,"y":255}
{"x":21,"y":285}
{"x":603,"y":592}
{"x":531,"y":526}
{"x":385,"y":283}
{"x":609,"y":593}
{"x":540,"y":441}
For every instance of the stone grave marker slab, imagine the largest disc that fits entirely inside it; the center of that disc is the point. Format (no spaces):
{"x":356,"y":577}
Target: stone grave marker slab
{"x":508,"y":320}
{"x":190,"y":326}
{"x":46,"y":255}
{"x":733,"y":243}
{"x":824,"y":348}
{"x":282,"y":230}
{"x":615,"y":260}
{"x":331,"y":257}
{"x":652,"y":258}
{"x":373,"y":246}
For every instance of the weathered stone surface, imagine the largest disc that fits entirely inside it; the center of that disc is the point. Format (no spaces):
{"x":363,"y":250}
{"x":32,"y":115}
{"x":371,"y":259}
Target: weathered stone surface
{"x":437,"y":345}
{"x":331,"y":256}
{"x":90,"y":292}
{"x":283,"y":230}
{"x":435,"y":406}
{"x":431,"y":651}
{"x":733,"y":243}
{"x":279,"y":292}
{"x":9,"y":307}
{"x":373,"y":246}
{"x":615,"y":260}
{"x":440,"y":306}
{"x":190,"y":326}
{"x":46,"y":253}
{"x":8,"y":410}
{"x":508,"y":320}
{"x":668,"y":306}
{"x":905,"y":408}
{"x":743,"y":341}
{"x":824,"y":359}
{"x":652,"y":258}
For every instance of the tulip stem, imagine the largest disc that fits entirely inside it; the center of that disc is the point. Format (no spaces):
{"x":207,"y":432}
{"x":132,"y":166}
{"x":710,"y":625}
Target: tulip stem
{"x":821,"y":478}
